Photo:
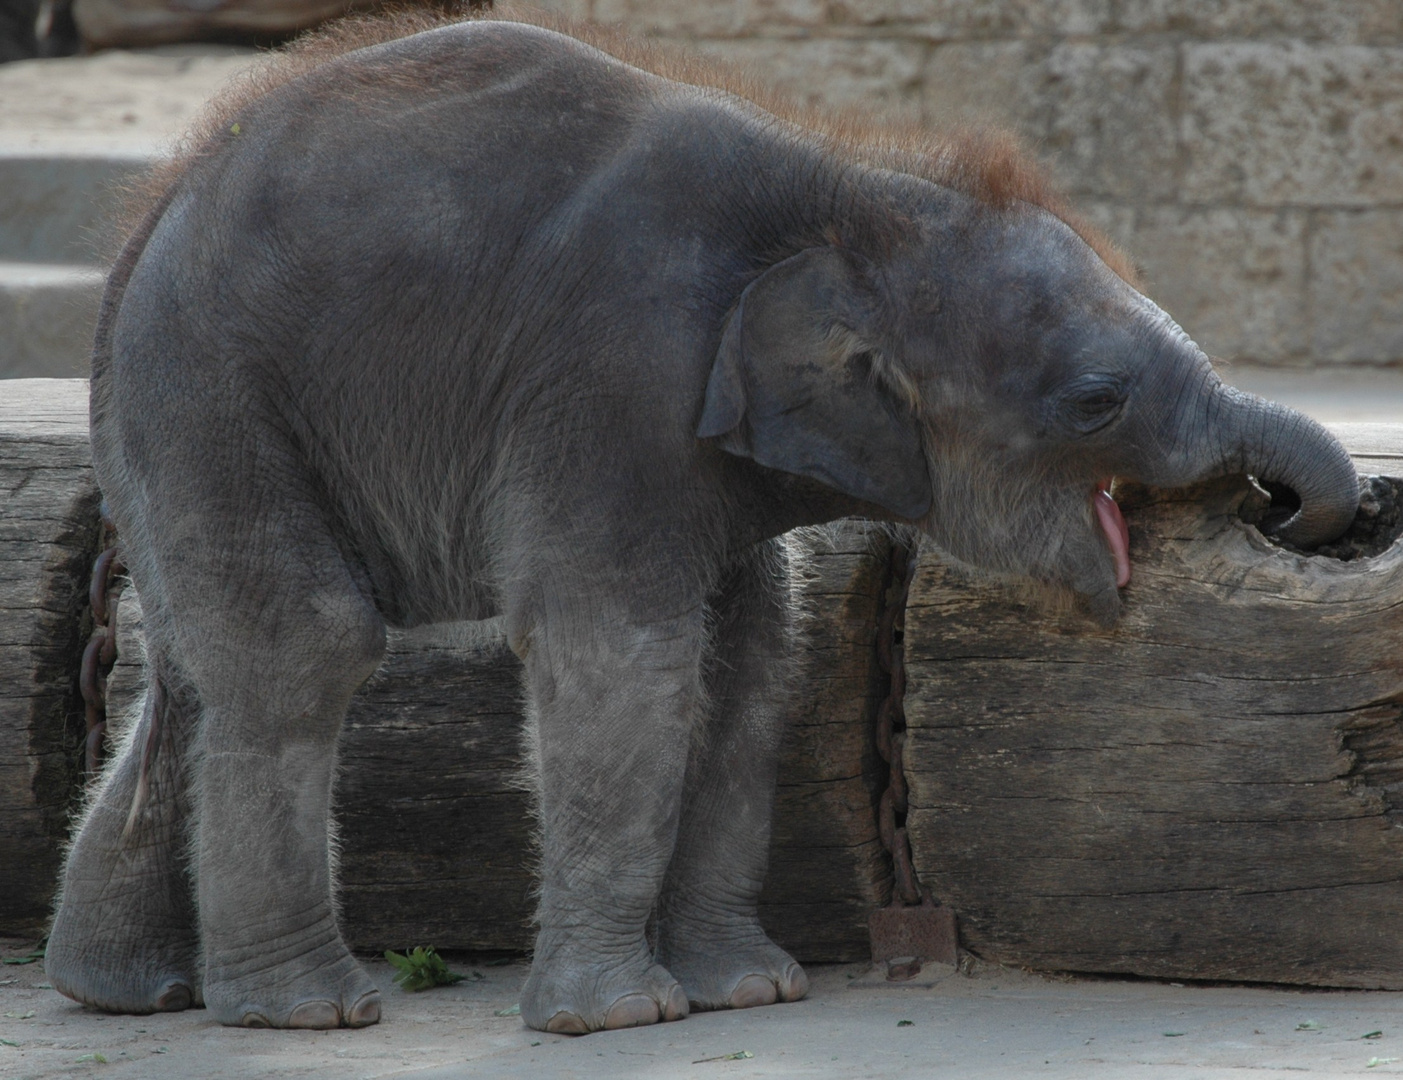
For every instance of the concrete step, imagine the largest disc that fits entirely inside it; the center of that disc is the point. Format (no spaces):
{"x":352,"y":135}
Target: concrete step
{"x":73,"y":133}
{"x":1331,"y":395}
{"x":75,"y":129}
{"x":47,"y":315}
{"x":59,"y":204}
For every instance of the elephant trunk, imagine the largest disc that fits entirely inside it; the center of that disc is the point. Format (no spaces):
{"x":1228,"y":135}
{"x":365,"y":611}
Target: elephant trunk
{"x":1279,"y":445}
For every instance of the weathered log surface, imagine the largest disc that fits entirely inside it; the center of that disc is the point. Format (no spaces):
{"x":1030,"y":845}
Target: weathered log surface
{"x":1212,"y":790}
{"x":435,"y":826}
{"x":48,"y":538}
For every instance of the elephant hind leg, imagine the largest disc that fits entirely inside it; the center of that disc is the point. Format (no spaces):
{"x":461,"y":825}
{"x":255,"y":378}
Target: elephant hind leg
{"x":293,"y":649}
{"x":124,"y":938}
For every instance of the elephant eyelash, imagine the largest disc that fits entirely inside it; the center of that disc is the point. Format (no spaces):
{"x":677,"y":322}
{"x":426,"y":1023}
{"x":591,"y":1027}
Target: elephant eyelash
{"x":1092,"y":413}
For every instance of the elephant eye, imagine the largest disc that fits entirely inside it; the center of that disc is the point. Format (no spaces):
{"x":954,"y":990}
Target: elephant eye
{"x":1092,"y":408}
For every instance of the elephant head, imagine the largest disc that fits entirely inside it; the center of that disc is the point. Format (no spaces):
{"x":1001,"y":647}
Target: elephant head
{"x":987,"y":378}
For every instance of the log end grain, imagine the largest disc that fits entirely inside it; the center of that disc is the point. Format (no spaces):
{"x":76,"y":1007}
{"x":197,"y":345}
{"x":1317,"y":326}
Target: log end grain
{"x":48,"y":539}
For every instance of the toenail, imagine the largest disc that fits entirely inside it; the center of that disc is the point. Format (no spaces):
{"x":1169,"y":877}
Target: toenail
{"x":366,"y":1011}
{"x":174,"y":997}
{"x":315,"y":1014}
{"x":753,"y":990}
{"x":255,"y":1020}
{"x":677,"y":1007}
{"x":632,"y":1010}
{"x":566,"y":1023}
{"x":796,"y":983}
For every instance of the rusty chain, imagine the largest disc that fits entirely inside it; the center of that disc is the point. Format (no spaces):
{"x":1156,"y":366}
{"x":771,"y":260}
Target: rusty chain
{"x":891,"y":726}
{"x":913,"y":928}
{"x":100,"y":654}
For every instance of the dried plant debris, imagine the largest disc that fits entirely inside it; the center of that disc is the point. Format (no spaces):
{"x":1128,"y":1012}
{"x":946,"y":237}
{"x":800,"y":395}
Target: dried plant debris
{"x":1376,"y":527}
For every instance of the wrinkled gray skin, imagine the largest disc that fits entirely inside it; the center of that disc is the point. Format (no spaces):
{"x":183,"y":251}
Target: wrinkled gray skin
{"x":525,"y":331}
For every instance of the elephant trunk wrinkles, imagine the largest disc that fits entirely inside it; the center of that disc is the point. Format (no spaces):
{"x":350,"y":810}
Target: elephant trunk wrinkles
{"x":1279,"y":445}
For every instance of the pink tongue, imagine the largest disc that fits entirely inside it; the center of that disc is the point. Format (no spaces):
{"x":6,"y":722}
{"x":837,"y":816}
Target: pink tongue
{"x":1117,"y":535}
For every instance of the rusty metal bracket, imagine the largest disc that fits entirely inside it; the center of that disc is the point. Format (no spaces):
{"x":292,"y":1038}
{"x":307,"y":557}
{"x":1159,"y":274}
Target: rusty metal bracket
{"x":913,"y":928}
{"x":104,"y":589}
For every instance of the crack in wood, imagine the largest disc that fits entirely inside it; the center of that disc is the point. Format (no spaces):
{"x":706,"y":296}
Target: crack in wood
{"x":1373,"y":739}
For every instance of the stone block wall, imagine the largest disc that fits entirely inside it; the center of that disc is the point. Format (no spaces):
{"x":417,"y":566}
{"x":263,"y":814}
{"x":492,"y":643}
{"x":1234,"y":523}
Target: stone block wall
{"x":1248,"y":154}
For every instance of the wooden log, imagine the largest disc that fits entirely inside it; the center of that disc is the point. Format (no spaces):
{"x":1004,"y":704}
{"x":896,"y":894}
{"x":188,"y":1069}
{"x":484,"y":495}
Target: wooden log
{"x":48,"y":539}
{"x":1208,"y":791}
{"x":435,"y":829}
{"x":1212,"y":790}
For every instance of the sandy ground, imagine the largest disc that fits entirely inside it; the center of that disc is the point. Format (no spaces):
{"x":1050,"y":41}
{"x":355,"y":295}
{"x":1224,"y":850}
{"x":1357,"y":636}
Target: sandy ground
{"x":995,"y":1023}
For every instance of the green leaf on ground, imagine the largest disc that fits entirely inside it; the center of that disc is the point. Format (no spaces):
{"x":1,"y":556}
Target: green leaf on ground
{"x":1174,"y":1034}
{"x":29,"y":957}
{"x":421,"y":969}
{"x":1372,"y":1035}
{"x":515,"y":1010}
{"x":1310,"y":1025}
{"x":8,"y":1042}
{"x":1376,"y":1062}
{"x":906,"y":1023}
{"x":97,"y":1059}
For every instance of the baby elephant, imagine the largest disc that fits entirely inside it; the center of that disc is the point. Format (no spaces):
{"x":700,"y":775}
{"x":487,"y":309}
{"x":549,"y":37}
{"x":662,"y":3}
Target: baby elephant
{"x":483,"y":320}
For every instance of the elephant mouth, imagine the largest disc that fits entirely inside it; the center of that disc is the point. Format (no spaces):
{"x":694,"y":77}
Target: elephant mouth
{"x":1113,"y":527}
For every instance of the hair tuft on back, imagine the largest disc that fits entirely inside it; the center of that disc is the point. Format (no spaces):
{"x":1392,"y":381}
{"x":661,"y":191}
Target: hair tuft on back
{"x":987,"y":164}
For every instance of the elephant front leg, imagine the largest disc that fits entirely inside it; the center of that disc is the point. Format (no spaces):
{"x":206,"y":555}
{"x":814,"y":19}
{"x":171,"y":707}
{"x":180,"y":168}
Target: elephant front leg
{"x":709,"y":934}
{"x":613,"y":706}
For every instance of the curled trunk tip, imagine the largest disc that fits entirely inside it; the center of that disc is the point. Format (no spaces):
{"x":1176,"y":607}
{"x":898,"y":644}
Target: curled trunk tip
{"x":1282,"y":446}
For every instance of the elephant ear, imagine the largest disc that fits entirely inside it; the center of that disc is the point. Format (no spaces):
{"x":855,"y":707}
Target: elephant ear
{"x":795,"y":388}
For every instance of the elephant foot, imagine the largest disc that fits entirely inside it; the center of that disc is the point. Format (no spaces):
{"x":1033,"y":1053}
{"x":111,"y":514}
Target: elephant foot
{"x":740,"y":973}
{"x":322,"y":988}
{"x":123,"y":989}
{"x":574,"y":999}
{"x":108,"y":955}
{"x":137,"y":980}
